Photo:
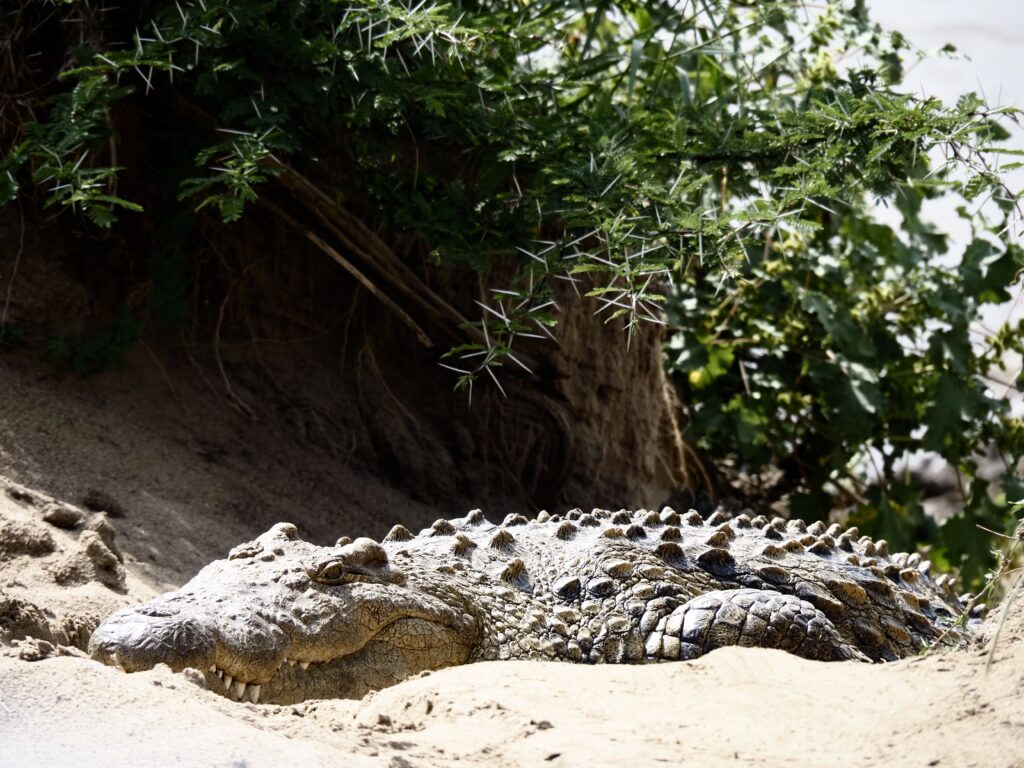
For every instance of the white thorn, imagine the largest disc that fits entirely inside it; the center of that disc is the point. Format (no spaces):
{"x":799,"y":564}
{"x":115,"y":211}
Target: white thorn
{"x":228,"y":679}
{"x":254,"y":694}
{"x":304,"y":664}
{"x":239,"y":689}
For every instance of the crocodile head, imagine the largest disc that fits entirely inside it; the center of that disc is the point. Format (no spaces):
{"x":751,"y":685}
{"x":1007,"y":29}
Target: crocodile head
{"x":282,"y":620}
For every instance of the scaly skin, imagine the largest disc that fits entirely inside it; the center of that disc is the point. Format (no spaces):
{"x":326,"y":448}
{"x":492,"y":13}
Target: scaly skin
{"x":282,"y":620}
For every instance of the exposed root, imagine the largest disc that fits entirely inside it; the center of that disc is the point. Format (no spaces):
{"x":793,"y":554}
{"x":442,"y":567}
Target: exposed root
{"x":683,"y":454}
{"x":163,"y":374}
{"x":237,"y":401}
{"x":368,"y":351}
{"x":14,"y":271}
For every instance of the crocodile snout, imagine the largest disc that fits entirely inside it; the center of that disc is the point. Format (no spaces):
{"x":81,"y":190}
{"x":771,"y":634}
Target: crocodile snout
{"x":141,"y":637}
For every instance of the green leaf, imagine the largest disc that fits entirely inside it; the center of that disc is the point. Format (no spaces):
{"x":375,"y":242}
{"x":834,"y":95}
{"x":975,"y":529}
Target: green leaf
{"x":851,"y":340}
{"x":955,"y":406}
{"x":987,"y":271}
{"x":635,"y":57}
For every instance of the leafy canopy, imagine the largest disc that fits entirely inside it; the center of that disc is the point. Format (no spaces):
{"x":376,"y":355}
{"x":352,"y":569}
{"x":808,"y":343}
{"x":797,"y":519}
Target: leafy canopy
{"x":713,"y":166}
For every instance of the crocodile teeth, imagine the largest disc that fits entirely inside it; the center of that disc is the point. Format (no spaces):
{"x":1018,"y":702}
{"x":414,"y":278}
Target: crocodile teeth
{"x":254,"y":694}
{"x":228,"y":679}
{"x":239,"y":689}
{"x":220,"y":673}
{"x":304,"y":664}
{"x":213,"y":668}
{"x":292,"y":662}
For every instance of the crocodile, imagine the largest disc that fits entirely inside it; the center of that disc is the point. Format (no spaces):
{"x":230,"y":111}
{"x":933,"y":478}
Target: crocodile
{"x":282,"y":619}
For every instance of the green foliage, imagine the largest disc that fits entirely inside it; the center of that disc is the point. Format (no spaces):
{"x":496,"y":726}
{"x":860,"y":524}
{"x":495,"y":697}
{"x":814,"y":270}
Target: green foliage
{"x":231,"y":185}
{"x":59,"y":148}
{"x":716,"y":167}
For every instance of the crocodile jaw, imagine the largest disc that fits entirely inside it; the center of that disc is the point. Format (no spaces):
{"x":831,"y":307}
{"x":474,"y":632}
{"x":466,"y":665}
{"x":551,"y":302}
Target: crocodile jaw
{"x":135,"y":640}
{"x":262,"y":629}
{"x":380,"y":663}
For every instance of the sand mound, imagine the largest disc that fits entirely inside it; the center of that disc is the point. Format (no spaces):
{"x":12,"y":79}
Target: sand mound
{"x":734,"y":707}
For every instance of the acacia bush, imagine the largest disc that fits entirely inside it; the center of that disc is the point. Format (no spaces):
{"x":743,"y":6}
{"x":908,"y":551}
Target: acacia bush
{"x":713,"y":167}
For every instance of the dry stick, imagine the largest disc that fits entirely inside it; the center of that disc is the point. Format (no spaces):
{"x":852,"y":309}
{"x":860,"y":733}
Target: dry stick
{"x":195,"y":364}
{"x":259,"y":355}
{"x":235,"y":399}
{"x":942,"y":636}
{"x":348,"y":228}
{"x":352,"y":270}
{"x":368,"y":346}
{"x":417,"y":292}
{"x":367,"y":256}
{"x":371,"y":249}
{"x":163,"y":373}
{"x":348,"y":324}
{"x":1007,"y":602}
{"x":112,"y":178}
{"x":14,"y":271}
{"x":1018,"y":536}
{"x":682,"y":450}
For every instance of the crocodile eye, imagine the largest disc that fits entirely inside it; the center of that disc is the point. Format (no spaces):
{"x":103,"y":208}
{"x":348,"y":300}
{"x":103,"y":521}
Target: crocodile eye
{"x":331,"y":573}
